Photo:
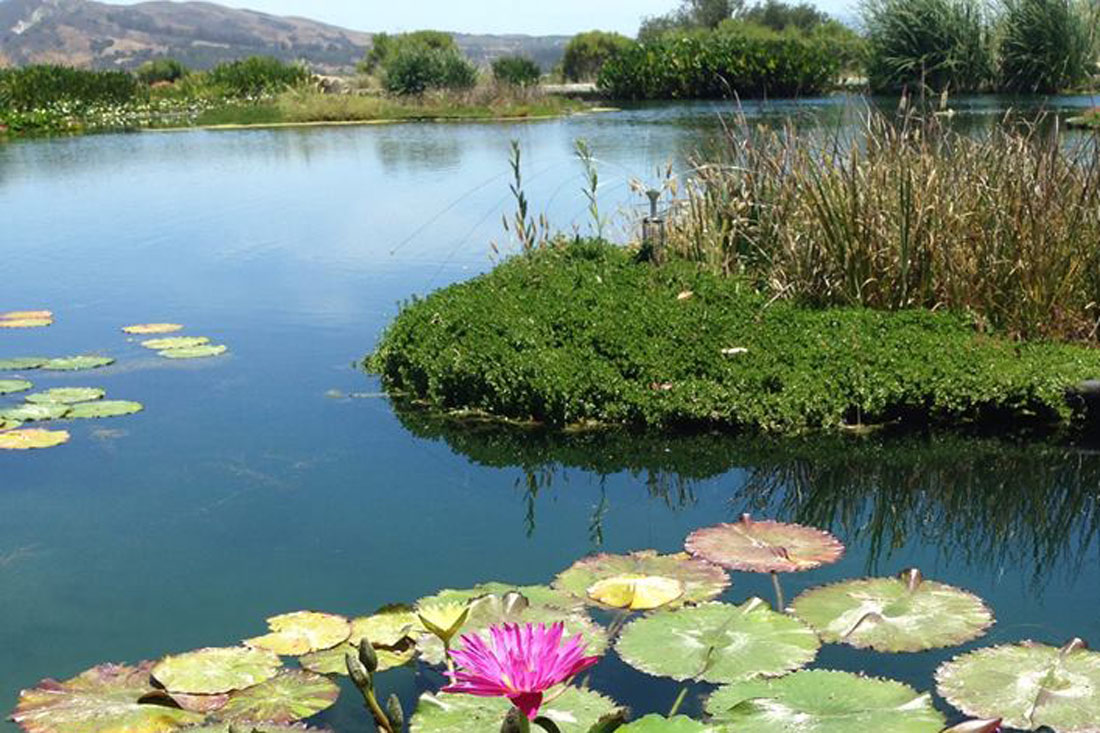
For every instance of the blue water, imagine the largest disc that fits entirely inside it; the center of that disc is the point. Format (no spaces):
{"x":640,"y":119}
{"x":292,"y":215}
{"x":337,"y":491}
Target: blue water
{"x":275,"y":479}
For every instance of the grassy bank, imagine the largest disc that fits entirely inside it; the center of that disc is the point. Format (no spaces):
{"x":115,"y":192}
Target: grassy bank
{"x":580,"y":332}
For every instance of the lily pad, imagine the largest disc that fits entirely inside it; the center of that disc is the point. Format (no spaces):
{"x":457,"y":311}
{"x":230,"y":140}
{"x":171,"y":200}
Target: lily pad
{"x":67,"y":395}
{"x":302,"y":632}
{"x":538,"y":595}
{"x":256,"y":728}
{"x":101,"y":700}
{"x":179,"y":342}
{"x":718,"y":642}
{"x":25,"y":322}
{"x":822,"y":701}
{"x":77,"y":363}
{"x":106,"y":408}
{"x":32,"y":439}
{"x":9,"y":424}
{"x":1029,"y":685}
{"x":702,"y":581}
{"x":21,"y":363}
{"x":905,"y":614}
{"x":765,"y":547}
{"x":388,"y":627}
{"x":11,"y":386}
{"x":142,"y":329}
{"x":287,"y":698}
{"x":661,"y":724}
{"x":575,"y":711}
{"x":333,"y":661}
{"x":26,"y":315}
{"x":216,"y":670}
{"x":35,"y":413}
{"x":513,"y":607}
{"x":194,"y":352}
{"x":636,"y":592}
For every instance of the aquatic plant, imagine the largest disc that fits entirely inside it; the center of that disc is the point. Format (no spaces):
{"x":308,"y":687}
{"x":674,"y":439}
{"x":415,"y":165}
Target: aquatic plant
{"x":1045,"y":46}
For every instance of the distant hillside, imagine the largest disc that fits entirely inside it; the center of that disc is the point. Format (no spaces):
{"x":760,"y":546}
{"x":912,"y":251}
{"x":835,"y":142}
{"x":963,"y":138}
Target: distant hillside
{"x":200,"y":34}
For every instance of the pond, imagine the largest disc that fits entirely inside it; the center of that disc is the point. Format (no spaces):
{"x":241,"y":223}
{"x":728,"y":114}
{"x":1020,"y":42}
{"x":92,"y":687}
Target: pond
{"x":275,"y":478}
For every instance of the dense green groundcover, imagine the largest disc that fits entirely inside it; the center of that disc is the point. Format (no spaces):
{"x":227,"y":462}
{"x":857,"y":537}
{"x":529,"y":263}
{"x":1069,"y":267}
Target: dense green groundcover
{"x":582,"y":332}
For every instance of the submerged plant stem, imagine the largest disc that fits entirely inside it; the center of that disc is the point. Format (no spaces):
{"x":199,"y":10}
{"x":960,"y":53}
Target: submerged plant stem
{"x":679,"y":701}
{"x":780,"y":604}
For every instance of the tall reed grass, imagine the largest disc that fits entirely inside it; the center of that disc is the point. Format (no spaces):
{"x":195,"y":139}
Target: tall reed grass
{"x":1046,"y":45}
{"x":907,"y":214}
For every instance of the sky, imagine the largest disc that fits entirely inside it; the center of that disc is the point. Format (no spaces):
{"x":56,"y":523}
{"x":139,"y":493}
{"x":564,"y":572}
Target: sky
{"x":542,"y":17}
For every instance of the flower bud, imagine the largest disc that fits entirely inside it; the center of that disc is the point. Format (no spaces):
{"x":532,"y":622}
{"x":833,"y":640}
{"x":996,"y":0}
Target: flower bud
{"x":515,"y":722}
{"x":360,"y":675}
{"x":395,"y":713}
{"x":367,"y":655}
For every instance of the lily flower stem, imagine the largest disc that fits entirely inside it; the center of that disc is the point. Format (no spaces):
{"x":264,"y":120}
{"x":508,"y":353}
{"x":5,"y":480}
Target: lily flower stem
{"x":679,"y":701}
{"x":380,"y":718}
{"x":780,"y":603}
{"x":450,"y":661}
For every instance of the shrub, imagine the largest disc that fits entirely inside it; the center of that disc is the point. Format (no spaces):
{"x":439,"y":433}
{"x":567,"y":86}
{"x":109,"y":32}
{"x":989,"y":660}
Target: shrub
{"x":161,"y":70}
{"x":383,"y":46}
{"x":415,"y":70}
{"x":939,"y":44}
{"x":518,"y":71}
{"x":1045,"y":45}
{"x":256,"y":76}
{"x":35,"y":87}
{"x":588,"y":52}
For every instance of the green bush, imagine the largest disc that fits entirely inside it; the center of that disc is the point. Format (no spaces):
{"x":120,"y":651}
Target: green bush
{"x":415,"y":70}
{"x":383,"y":46}
{"x":35,"y":87}
{"x":934,"y":44}
{"x":518,"y":71}
{"x":738,"y":60}
{"x":161,"y":70}
{"x":1045,"y":45}
{"x":581,"y":331}
{"x":256,"y":76}
{"x":588,"y":52}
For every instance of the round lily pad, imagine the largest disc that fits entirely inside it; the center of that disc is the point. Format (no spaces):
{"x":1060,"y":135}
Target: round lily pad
{"x":661,"y":724}
{"x":387,"y":627}
{"x":104,"y":699}
{"x":21,"y":363}
{"x":67,"y":395}
{"x":179,"y":342}
{"x":25,"y":322}
{"x":333,"y":661}
{"x":216,"y":670}
{"x":288,"y":697}
{"x":822,"y":701}
{"x":765,"y":547}
{"x":256,"y":728}
{"x":77,"y":363}
{"x":302,"y":632}
{"x":9,"y":424}
{"x":35,"y":413}
{"x":701,"y":580}
{"x":144,"y":329}
{"x":718,"y":642}
{"x":25,"y":315}
{"x":538,"y":595}
{"x":906,"y":614}
{"x":194,"y":352}
{"x":11,"y":386}
{"x":575,"y":711}
{"x":32,"y":439}
{"x":636,"y":592}
{"x":1029,"y":685}
{"x":106,"y":408}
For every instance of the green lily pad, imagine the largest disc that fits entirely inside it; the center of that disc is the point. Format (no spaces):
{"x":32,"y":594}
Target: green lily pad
{"x":576,"y":711}
{"x":67,"y":395}
{"x":77,"y":363}
{"x":256,"y":728}
{"x":538,"y":595}
{"x":822,"y":701}
{"x":178,"y":342}
{"x":661,"y":724}
{"x":391,"y":630}
{"x":905,"y":614}
{"x":21,"y":364}
{"x":194,"y":352}
{"x":142,"y":329}
{"x":287,"y":698}
{"x":104,"y":699}
{"x":106,"y":408}
{"x":1029,"y":685}
{"x":765,"y":547}
{"x":35,"y":413}
{"x":11,"y":386}
{"x":702,"y":581}
{"x":25,"y":322}
{"x":302,"y":632}
{"x":493,"y":610}
{"x":718,"y":642}
{"x":333,"y":661}
{"x":32,"y":439}
{"x":9,"y":424}
{"x":216,"y":670}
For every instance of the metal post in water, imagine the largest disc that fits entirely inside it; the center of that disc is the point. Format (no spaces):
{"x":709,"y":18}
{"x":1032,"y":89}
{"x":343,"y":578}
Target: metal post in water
{"x":653,"y":229}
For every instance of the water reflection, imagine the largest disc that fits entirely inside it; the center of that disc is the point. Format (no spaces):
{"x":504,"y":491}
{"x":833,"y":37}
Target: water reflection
{"x":983,"y":502}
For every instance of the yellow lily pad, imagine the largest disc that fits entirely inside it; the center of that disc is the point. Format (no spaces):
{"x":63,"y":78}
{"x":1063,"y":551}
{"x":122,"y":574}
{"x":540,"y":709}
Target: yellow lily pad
{"x":26,"y":322}
{"x":636,"y":592}
{"x":332,"y":661}
{"x":178,"y":342}
{"x":302,"y":632}
{"x":26,"y":316}
{"x":142,"y":329}
{"x":195,"y":352}
{"x":215,"y":671}
{"x":32,"y":439}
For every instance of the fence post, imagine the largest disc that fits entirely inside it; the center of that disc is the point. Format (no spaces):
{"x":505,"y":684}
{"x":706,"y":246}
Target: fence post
{"x":653,"y":230}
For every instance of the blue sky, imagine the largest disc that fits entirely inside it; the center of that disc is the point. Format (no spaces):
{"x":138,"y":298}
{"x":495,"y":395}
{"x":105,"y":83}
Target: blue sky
{"x":479,"y":16}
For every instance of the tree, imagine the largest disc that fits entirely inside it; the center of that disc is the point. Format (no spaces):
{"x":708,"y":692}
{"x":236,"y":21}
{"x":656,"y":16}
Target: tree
{"x":692,"y":14}
{"x":588,"y":52}
{"x":517,"y":71}
{"x":384,"y":46}
{"x":779,"y":15}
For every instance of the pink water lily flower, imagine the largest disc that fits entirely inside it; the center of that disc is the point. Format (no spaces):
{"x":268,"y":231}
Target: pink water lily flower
{"x":519,"y":663}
